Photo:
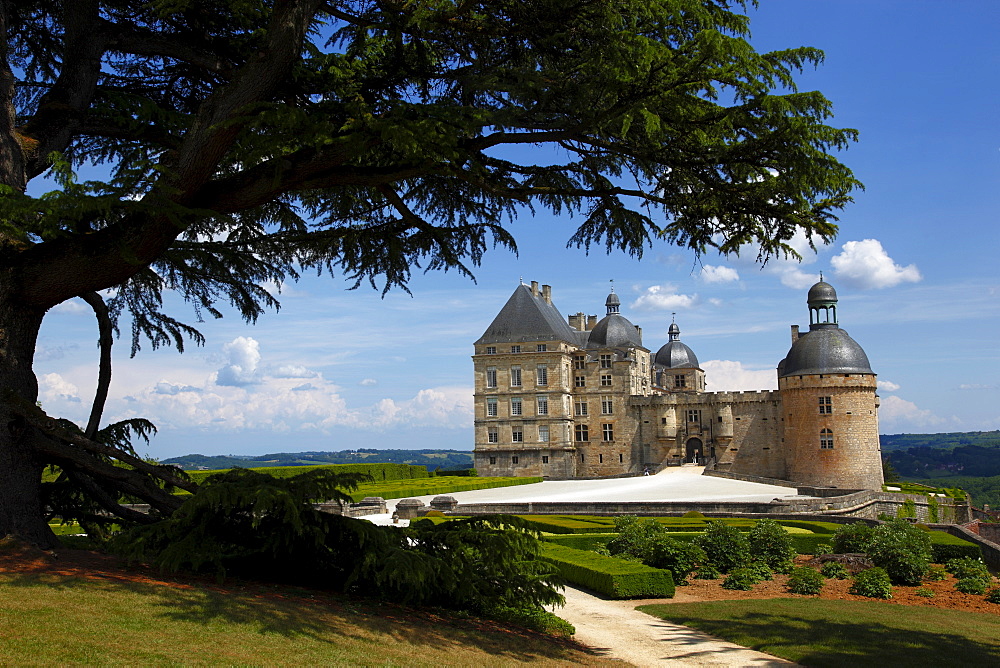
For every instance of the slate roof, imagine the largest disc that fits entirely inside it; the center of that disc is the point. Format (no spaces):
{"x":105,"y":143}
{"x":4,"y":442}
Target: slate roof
{"x":526,"y":317}
{"x":825,"y":348}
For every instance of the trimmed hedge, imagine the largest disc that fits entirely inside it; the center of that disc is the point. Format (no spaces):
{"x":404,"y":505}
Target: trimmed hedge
{"x":590,"y":541}
{"x":945,"y":547}
{"x":613,"y":577}
{"x":407,"y":488}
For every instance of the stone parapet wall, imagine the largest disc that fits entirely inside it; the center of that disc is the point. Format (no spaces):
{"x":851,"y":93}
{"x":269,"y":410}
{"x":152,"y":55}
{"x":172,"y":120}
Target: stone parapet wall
{"x":989,"y":548}
{"x":746,"y":477}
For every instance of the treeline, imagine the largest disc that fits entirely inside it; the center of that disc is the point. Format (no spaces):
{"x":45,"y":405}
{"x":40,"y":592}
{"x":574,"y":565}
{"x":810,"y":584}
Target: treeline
{"x":432,"y":459}
{"x":967,"y":460}
{"x":986,"y":439}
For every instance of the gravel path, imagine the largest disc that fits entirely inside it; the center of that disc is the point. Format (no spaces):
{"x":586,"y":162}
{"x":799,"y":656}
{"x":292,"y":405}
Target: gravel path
{"x":616,"y":630}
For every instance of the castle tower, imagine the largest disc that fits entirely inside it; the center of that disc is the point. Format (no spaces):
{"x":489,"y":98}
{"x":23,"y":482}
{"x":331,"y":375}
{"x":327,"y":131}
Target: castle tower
{"x":829,"y":405}
{"x":675,"y":366}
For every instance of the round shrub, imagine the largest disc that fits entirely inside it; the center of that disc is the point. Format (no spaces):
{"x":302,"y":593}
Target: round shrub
{"x":924,"y":592}
{"x":707,"y":572}
{"x":903,"y":550}
{"x":971,"y":586}
{"x":833,"y":569}
{"x":852,"y":538}
{"x":770,"y":543}
{"x":741,"y":579}
{"x":805,"y":580}
{"x":823,"y":548}
{"x":993,"y":595}
{"x":678,"y":557}
{"x":724,"y":546}
{"x":873,"y":583}
{"x":693,"y":513}
{"x":966,"y":567}
{"x":935,"y":574}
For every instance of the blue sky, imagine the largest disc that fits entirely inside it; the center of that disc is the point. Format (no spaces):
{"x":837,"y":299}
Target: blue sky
{"x":915,"y":266}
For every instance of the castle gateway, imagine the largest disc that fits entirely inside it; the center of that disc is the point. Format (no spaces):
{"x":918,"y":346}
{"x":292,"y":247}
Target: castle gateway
{"x":580,"y":397}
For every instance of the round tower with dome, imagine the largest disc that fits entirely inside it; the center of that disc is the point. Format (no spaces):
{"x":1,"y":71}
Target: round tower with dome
{"x":829,"y":403}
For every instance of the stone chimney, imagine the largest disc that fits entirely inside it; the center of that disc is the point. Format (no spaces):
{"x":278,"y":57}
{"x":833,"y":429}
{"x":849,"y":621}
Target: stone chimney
{"x":547,"y":294}
{"x":576,"y":321}
{"x":534,"y":288}
{"x":795,"y":333}
{"x":591,"y":322}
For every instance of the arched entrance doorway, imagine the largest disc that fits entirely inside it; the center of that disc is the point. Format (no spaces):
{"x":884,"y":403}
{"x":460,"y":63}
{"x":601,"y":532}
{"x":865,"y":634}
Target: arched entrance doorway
{"x":694,"y":450}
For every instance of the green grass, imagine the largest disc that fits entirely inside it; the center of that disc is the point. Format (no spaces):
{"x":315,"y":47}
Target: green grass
{"x":54,"y":620}
{"x":847,"y":634}
{"x":398,"y":489}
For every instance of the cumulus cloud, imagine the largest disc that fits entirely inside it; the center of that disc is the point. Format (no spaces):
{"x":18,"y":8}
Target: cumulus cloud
{"x":865,"y":264}
{"x":72,"y":306}
{"x":54,"y":389}
{"x":719,"y":274}
{"x":663,"y":297}
{"x":887,"y":386}
{"x":243,"y":353}
{"x":368,"y":381}
{"x":292,"y":371}
{"x":788,"y":270}
{"x":897,"y":415}
{"x":729,"y":375}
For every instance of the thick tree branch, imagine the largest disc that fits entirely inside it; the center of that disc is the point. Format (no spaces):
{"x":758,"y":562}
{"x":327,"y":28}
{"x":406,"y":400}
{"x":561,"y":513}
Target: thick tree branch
{"x":105,"y":340}
{"x":107,"y":501}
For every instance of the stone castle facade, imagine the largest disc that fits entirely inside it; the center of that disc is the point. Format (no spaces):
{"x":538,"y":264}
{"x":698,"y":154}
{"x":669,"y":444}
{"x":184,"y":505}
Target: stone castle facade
{"x":579,"y":397}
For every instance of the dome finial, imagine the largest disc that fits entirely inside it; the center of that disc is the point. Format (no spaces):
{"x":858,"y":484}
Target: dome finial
{"x":612,"y":302}
{"x":820,"y":276}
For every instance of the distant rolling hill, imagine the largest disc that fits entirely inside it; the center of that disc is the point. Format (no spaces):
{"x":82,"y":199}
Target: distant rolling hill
{"x":432,"y":459}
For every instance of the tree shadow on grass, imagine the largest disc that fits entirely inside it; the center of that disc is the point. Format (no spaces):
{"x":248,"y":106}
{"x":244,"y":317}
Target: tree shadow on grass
{"x":946,"y":638}
{"x":295,"y":612}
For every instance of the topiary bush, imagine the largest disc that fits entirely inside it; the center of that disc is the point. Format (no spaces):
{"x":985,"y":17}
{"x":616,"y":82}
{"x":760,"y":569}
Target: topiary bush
{"x":805,"y":580}
{"x":770,"y":544}
{"x":724,"y":546}
{"x":873,"y":583}
{"x":741,"y":579}
{"x":833,"y":569}
{"x":903,"y":550}
{"x":852,"y":538}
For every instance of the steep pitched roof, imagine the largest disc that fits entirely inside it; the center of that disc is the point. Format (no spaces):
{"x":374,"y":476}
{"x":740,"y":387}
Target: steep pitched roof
{"x":526,"y":317}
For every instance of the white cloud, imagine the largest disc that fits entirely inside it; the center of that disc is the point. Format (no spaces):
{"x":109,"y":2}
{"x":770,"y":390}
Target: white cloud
{"x":887,"y":386}
{"x":976,"y":386}
{"x":865,"y":264}
{"x":292,"y":371}
{"x":368,"y":381}
{"x":719,"y":274}
{"x":663,"y":297}
{"x":787,"y":270}
{"x":53,"y":390}
{"x":898,"y":415}
{"x":244,"y":357}
{"x":732,"y":376}
{"x":72,"y":306}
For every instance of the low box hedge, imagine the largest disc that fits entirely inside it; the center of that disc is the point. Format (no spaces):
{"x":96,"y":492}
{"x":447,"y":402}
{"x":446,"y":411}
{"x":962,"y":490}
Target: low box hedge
{"x":615,"y":578}
{"x":587,"y":541}
{"x":944,"y":547}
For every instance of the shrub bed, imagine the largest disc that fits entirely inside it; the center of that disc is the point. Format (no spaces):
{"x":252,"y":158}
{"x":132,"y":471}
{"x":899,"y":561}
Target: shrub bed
{"x":610,"y":576}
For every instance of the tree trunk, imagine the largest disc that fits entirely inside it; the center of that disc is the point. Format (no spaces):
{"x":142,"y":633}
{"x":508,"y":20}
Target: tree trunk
{"x":21,"y":512}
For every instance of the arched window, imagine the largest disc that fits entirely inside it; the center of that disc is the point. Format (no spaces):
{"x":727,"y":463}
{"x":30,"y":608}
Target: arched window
{"x":826,"y":439}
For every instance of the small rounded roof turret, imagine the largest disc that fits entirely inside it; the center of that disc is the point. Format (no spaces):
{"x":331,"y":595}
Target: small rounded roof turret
{"x":675,"y":355}
{"x":825,"y":348}
{"x":614,"y":331}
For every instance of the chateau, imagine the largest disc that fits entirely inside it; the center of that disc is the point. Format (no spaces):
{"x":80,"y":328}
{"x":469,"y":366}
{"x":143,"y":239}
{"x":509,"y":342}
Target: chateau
{"x":579,"y":397}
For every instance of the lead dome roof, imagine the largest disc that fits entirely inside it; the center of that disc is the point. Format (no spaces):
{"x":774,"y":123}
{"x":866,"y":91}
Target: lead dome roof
{"x":675,"y":354}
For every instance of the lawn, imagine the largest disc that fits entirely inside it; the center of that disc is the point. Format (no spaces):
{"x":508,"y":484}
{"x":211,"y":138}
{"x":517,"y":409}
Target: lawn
{"x":49,"y":618}
{"x":822,"y":633}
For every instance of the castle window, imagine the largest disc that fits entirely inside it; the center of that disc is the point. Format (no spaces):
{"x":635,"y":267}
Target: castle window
{"x":825,"y":405}
{"x":492,"y":436}
{"x":541,"y":375}
{"x":680,"y":381}
{"x":515,"y":349}
{"x":605,"y":380}
{"x":491,"y":406}
{"x":580,"y":381}
{"x":493,"y":460}
{"x":621,"y":458}
{"x":605,"y":361}
{"x":513,"y":460}
{"x":600,"y":459}
{"x":543,"y":433}
{"x":581,"y":408}
{"x":579,"y":362}
{"x":582,"y":435}
{"x":545,"y":459}
{"x":541,"y":348}
{"x":826,"y":439}
{"x":694,"y":416}
{"x":542,"y":405}
{"x":581,"y":457}
{"x":515,"y":376}
{"x":607,"y":405}
{"x":515,"y":406}
{"x":491,"y":376}
{"x":608,"y":432}
{"x":517,"y":435}
{"x":491,"y":350}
